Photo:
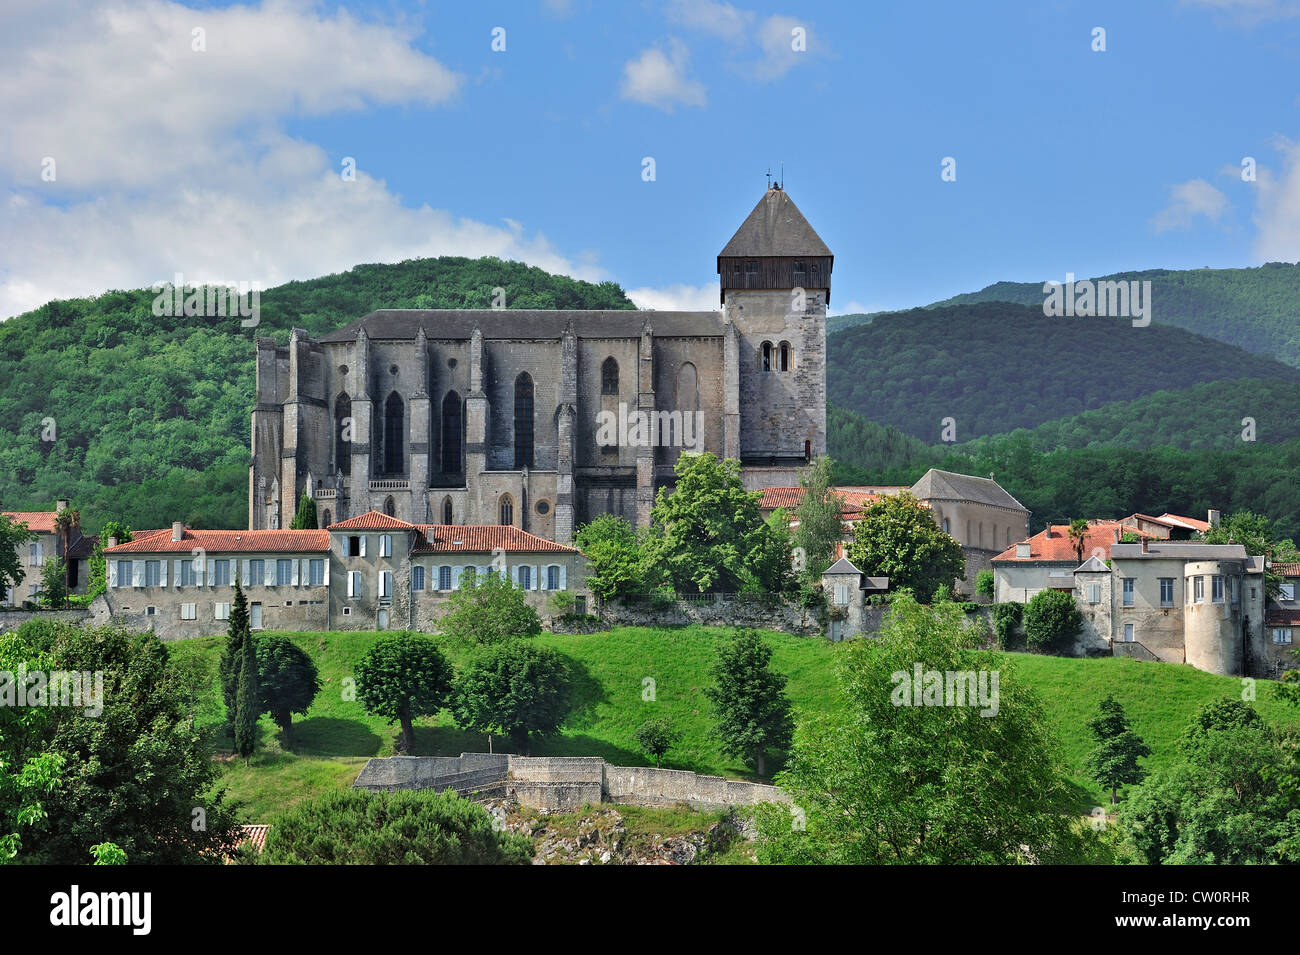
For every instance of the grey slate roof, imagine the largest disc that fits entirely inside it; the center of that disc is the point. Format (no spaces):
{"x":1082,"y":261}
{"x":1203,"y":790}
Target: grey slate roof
{"x":946,"y":486}
{"x":401,"y":324}
{"x":1091,"y":565}
{"x":1178,"y":550}
{"x":842,"y":566}
{"x":776,"y":227}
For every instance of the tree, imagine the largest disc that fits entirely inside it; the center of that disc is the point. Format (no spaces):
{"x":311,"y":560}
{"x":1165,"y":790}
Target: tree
{"x":66,"y":522}
{"x":53,"y":580}
{"x":821,"y":519}
{"x":890,"y":774}
{"x":898,"y":538}
{"x":289,"y":681}
{"x":97,"y":578}
{"x":1051,"y":618}
{"x":984,"y":582}
{"x":749,"y":701}
{"x":1078,"y":534}
{"x":13,"y":535}
{"x":1114,"y":760}
{"x":248,"y":700}
{"x":612,"y":548}
{"x":402,"y":677}
{"x":656,"y":737}
{"x":132,"y":768}
{"x":232,"y":658}
{"x":513,"y":689}
{"x":488,"y":610}
{"x":1258,"y":535}
{"x":407,"y":827}
{"x":708,"y":534}
{"x":305,"y":518}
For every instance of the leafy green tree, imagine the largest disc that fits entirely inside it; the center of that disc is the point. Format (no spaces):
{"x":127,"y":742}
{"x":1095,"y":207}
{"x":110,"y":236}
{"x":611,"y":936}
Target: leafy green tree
{"x":13,"y":535}
{"x":402,"y":677}
{"x":750,"y":707}
{"x":821,"y":519}
{"x":1259,"y":536}
{"x":248,"y":700}
{"x":1233,"y":800}
{"x":408,"y":827}
{"x":1114,"y":760}
{"x":305,"y":518}
{"x":515,"y":689}
{"x":97,"y":565}
{"x":898,"y":538}
{"x":1051,"y":618}
{"x":1006,"y":618}
{"x":875,"y":781}
{"x":53,"y":577}
{"x":656,"y":737}
{"x":232,"y":657}
{"x":613,"y":550}
{"x":107,"y":854}
{"x":288,"y":679}
{"x":488,"y":610}
{"x":709,"y":536}
{"x":984,"y":583}
{"x":140,"y":728}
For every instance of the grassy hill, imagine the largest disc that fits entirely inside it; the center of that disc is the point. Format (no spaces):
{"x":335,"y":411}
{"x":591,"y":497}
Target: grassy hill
{"x":150,"y":415}
{"x":336,"y":737}
{"x":1257,"y":309}
{"x":994,"y":367}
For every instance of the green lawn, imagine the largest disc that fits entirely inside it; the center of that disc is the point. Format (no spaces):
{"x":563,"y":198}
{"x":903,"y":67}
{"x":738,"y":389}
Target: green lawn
{"x":336,"y":737}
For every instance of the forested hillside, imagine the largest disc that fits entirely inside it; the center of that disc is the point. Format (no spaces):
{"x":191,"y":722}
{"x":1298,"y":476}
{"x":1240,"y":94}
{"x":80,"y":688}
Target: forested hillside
{"x":995,"y":367}
{"x":150,"y":415}
{"x":1257,"y":309}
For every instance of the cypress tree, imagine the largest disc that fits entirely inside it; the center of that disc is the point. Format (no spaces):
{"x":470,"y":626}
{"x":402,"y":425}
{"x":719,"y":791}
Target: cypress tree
{"x":248,"y":701}
{"x":232,"y":658}
{"x":305,"y":519}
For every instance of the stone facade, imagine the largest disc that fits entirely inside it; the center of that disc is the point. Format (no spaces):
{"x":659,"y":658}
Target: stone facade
{"x":48,"y":543}
{"x":503,"y":416}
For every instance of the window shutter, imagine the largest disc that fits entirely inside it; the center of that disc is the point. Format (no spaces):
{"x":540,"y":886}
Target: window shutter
{"x":268,"y":572}
{"x":343,"y":542}
{"x":112,"y":574}
{"x":537,"y":572}
{"x":455,"y":577}
{"x":363,"y":545}
{"x":176,"y":573}
{"x":162,"y":573}
{"x":210,"y":578}
{"x":197,"y":564}
{"x":245,"y":568}
{"x":293,"y":573}
{"x":326,"y":579}
{"x":137,"y":573}
{"x":40,"y":552}
{"x":563,"y":574}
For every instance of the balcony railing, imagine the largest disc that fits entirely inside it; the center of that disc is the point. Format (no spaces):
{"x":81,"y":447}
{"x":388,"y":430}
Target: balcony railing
{"x":389,"y":485}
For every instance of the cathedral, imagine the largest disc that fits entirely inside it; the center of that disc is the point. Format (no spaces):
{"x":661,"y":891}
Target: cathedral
{"x":545,"y":420}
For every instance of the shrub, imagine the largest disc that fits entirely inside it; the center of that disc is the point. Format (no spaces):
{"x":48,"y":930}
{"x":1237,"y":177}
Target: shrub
{"x":1051,"y":618}
{"x":1006,"y":617}
{"x":984,"y":583}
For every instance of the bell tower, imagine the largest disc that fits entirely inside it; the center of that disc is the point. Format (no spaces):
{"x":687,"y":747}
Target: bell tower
{"x":775,"y":277}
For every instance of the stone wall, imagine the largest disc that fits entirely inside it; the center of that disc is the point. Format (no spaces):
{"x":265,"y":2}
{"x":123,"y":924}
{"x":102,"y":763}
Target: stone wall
{"x":725,"y":613}
{"x":11,"y":620}
{"x":561,"y":782}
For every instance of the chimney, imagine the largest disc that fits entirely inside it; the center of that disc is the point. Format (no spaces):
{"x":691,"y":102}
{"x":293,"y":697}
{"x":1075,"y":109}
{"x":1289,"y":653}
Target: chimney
{"x":1213,"y":517}
{"x":1117,"y":535}
{"x":1048,"y":533}
{"x":1144,"y":545}
{"x":112,"y":542}
{"x":60,"y":505}
{"x":1022,"y":550}
{"x":178,"y":530}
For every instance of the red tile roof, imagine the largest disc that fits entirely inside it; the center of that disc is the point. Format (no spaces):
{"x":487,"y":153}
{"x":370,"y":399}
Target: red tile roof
{"x":1192,"y":522}
{"x":853,"y":498}
{"x":1282,"y":618}
{"x":227,"y":542}
{"x":39,"y":522}
{"x":255,"y":835}
{"x":1287,"y":570}
{"x":1060,"y":548}
{"x":371,"y":521}
{"x":483,"y":539}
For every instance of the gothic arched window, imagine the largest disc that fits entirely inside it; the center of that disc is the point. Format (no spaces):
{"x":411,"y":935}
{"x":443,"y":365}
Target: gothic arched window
{"x":343,"y":434}
{"x":609,"y":377}
{"x":451,"y":435}
{"x":523,"y":422}
{"x":507,"y":510}
{"x":390,"y":507}
{"x":394,"y":434}
{"x":446,"y":510}
{"x":785,"y":356}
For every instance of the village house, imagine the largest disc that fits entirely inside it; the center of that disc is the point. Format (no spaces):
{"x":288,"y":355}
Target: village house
{"x":48,"y":543}
{"x":371,"y":572}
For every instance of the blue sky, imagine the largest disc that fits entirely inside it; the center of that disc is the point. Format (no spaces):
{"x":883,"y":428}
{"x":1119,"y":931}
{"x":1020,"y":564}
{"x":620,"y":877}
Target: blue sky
{"x":223,"y":163}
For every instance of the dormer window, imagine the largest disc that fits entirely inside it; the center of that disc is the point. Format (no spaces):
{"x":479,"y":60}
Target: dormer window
{"x":751,"y":266}
{"x":799,"y":268}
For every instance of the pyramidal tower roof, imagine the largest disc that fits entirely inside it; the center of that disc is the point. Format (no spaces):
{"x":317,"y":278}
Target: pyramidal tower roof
{"x":776,"y":227}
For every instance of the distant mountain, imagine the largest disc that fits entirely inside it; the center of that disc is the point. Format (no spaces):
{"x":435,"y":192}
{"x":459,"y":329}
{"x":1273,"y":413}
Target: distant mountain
{"x":1257,"y":309}
{"x":993,"y":367}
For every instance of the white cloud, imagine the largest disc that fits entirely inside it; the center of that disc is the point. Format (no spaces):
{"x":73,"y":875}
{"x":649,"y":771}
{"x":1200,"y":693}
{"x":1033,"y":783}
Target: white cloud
{"x":173,"y":160}
{"x":854,"y":307}
{"x":1249,"y":12}
{"x":719,"y":19}
{"x":1187,"y":200}
{"x":779,"y":38}
{"x":774,"y":38}
{"x":1277,"y":208}
{"x":660,"y":79}
{"x":677,"y":298}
